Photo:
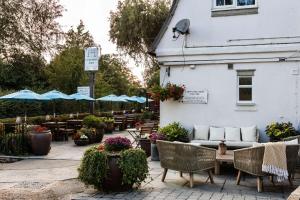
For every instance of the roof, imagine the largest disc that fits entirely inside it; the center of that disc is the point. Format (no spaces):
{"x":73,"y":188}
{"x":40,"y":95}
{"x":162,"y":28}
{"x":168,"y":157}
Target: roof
{"x":164,"y":28}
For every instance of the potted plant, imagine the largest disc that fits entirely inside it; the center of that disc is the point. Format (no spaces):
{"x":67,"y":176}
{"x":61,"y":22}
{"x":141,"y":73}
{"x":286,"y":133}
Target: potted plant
{"x":175,"y":132}
{"x":40,"y":139}
{"x":277,"y":131}
{"x":109,"y":122}
{"x":154,"y":151}
{"x":96,"y":123}
{"x":81,"y":139}
{"x":114,"y":165}
{"x":170,"y":91}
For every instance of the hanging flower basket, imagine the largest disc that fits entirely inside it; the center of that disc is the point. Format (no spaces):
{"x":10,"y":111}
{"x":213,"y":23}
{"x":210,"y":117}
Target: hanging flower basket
{"x":170,"y":91}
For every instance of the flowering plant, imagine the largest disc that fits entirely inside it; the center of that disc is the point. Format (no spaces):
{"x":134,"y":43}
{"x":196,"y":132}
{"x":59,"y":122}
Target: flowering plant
{"x":170,"y":91}
{"x":84,"y":137}
{"x":39,"y":129}
{"x":156,"y":136}
{"x":117,"y":144}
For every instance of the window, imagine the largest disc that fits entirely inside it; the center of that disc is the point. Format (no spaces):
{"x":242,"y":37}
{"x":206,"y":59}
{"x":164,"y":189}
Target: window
{"x":234,"y":3}
{"x":245,"y":86}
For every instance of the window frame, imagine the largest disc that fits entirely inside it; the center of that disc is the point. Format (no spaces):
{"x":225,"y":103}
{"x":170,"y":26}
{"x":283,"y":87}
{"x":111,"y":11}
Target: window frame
{"x":242,"y":102}
{"x":233,"y":6}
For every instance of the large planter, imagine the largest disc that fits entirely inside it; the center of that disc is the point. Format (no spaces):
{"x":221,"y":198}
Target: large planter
{"x":81,"y":142}
{"x":114,"y":176}
{"x":109,"y":127}
{"x":146,"y":146}
{"x":154,"y":152}
{"x":40,"y":142}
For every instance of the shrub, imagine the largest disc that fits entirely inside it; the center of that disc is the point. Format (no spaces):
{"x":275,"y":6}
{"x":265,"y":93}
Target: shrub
{"x":174,"y":132}
{"x":117,"y":144}
{"x":15,"y":144}
{"x":92,"y":121}
{"x":277,"y":131}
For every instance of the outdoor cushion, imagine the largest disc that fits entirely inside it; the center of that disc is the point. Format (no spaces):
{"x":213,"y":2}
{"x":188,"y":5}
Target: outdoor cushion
{"x":249,"y":134}
{"x":206,"y":142}
{"x":201,"y":132}
{"x":228,"y":143}
{"x":240,"y":144}
{"x":232,"y":134}
{"x":295,"y":141}
{"x":216,"y":133}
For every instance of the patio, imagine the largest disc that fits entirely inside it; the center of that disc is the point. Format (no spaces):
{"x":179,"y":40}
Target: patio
{"x":57,"y":172}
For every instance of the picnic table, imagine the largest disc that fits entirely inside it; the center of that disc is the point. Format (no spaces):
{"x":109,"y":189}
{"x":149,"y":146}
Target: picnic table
{"x":74,"y":123}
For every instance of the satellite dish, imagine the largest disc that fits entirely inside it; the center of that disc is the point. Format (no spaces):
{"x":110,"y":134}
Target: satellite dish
{"x":182,"y":27}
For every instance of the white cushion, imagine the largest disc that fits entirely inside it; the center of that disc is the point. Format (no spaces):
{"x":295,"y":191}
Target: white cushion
{"x":201,"y":132}
{"x":295,"y":141}
{"x":239,"y":144}
{"x":249,"y":134}
{"x":232,"y":134}
{"x":216,"y":133}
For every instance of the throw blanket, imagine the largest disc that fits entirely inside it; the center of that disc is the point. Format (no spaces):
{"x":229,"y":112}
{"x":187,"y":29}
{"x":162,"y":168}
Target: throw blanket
{"x":275,"y":160}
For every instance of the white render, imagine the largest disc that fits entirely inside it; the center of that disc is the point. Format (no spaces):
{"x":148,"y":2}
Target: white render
{"x":255,"y":41}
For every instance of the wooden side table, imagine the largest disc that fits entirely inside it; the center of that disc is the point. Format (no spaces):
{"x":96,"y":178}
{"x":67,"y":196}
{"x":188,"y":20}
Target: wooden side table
{"x":228,"y":157}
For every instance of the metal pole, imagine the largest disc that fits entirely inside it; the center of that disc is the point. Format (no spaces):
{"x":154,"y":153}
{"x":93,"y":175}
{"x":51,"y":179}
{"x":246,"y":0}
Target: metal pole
{"x":92,"y":91}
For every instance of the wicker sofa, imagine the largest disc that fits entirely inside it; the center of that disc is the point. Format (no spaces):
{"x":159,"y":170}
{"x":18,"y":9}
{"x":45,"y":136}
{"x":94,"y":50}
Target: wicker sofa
{"x":249,"y":160}
{"x":234,"y":137}
{"x":186,"y":158}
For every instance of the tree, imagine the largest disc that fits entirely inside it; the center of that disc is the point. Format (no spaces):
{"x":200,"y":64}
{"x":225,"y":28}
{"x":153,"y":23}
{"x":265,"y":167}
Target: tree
{"x":29,"y":26}
{"x":134,"y":26}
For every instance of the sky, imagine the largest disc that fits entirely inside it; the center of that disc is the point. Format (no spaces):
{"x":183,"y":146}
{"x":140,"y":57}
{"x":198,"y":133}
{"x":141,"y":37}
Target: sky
{"x":95,"y":16}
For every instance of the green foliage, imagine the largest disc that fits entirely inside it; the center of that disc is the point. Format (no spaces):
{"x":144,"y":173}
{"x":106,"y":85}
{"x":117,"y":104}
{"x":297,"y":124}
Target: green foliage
{"x":92,"y":121}
{"x":174,"y":132}
{"x":171,"y":91}
{"x":14,"y":144}
{"x":134,"y":166}
{"x":93,"y":167}
{"x":147,"y":115}
{"x":277,"y":131}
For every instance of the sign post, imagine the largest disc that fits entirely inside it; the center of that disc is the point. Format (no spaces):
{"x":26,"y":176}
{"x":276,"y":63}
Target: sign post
{"x":91,"y":65}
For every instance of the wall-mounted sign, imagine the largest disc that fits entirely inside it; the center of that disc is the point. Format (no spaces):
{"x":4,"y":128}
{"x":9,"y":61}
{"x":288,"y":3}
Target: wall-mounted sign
{"x":91,"y":58}
{"x":84,"y":90}
{"x":195,"y":97}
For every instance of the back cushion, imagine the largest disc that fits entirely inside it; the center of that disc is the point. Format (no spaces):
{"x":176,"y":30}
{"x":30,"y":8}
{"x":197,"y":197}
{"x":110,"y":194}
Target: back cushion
{"x":216,"y":133}
{"x":232,"y":134}
{"x":201,"y":132}
{"x":249,"y":134}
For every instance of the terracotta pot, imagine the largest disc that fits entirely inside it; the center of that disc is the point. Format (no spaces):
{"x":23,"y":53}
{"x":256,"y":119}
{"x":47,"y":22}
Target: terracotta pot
{"x":114,"y":176}
{"x":146,"y":146}
{"x":40,"y":142}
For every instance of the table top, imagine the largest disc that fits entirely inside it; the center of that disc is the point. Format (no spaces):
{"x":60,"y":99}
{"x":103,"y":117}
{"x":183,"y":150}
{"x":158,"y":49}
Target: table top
{"x":54,"y":123}
{"x":75,"y":120}
{"x":228,"y":157}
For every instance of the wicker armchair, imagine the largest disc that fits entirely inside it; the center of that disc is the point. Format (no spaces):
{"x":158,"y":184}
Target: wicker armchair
{"x":186,"y":158}
{"x":249,"y":160}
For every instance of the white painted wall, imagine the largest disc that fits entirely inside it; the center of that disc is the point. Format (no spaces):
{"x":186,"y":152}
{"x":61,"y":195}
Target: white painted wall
{"x":275,"y":94}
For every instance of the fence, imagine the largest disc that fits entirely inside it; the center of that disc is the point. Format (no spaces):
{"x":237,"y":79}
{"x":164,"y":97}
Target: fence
{"x":13,"y":139}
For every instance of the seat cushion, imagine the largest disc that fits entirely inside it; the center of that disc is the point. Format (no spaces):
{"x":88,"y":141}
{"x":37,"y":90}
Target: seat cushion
{"x":232,"y":134}
{"x":201,"y":132}
{"x":291,"y":142}
{"x":216,"y":133}
{"x":240,"y":144}
{"x":206,"y":142}
{"x":249,"y":134}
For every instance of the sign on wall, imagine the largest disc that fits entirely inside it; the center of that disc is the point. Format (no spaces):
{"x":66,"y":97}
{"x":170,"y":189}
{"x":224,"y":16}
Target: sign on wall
{"x":91,"y":58}
{"x":195,"y":97}
{"x":84,"y":90}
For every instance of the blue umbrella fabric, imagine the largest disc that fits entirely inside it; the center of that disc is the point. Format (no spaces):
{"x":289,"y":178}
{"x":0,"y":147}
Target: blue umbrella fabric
{"x":136,"y":99}
{"x":56,"y":95}
{"x":81,"y":97}
{"x":25,"y":96}
{"x":112,"y":98}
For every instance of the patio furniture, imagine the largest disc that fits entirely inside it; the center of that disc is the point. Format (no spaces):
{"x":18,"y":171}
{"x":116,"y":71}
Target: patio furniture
{"x":250,"y":161}
{"x":228,"y":157}
{"x":186,"y":158}
{"x":130,"y":120}
{"x":57,"y":130}
{"x":294,"y":140}
{"x":74,"y":124}
{"x":233,"y":137}
{"x":295,"y":195}
{"x":120,"y":122}
{"x":135,"y":134}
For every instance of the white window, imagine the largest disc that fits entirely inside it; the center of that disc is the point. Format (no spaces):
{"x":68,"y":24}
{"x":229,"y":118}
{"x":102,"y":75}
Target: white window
{"x":234,"y":3}
{"x":245,"y":86}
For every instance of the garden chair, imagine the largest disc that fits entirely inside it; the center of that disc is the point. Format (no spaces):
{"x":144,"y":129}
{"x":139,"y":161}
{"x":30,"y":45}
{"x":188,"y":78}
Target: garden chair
{"x":130,"y":120}
{"x":249,"y":160}
{"x":186,"y":158}
{"x":120,"y":122}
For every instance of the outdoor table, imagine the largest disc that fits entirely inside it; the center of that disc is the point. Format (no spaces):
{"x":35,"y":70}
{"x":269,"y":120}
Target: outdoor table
{"x":228,"y":157}
{"x":135,"y":133}
{"x":75,"y":123}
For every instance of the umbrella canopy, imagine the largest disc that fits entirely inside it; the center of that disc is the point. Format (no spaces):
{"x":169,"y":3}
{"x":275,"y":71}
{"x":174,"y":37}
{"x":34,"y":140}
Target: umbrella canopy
{"x":81,"y":97}
{"x":136,"y":99}
{"x":24,"y":95}
{"x":112,"y":98}
{"x":143,"y":99}
{"x":56,"y":95}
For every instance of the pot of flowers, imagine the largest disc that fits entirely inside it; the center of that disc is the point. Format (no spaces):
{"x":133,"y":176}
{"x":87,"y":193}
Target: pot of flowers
{"x":154,"y":151}
{"x":81,"y":139}
{"x":145,"y":144}
{"x":277,"y":131}
{"x":109,"y":122}
{"x":97,"y":125}
{"x":40,"y":140}
{"x":114,"y":165}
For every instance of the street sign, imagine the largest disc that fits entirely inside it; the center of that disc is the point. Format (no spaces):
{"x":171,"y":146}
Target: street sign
{"x":84,"y":90}
{"x":91,"y":58}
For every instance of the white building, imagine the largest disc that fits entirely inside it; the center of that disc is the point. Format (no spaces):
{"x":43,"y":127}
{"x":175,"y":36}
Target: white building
{"x":244,"y":53}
